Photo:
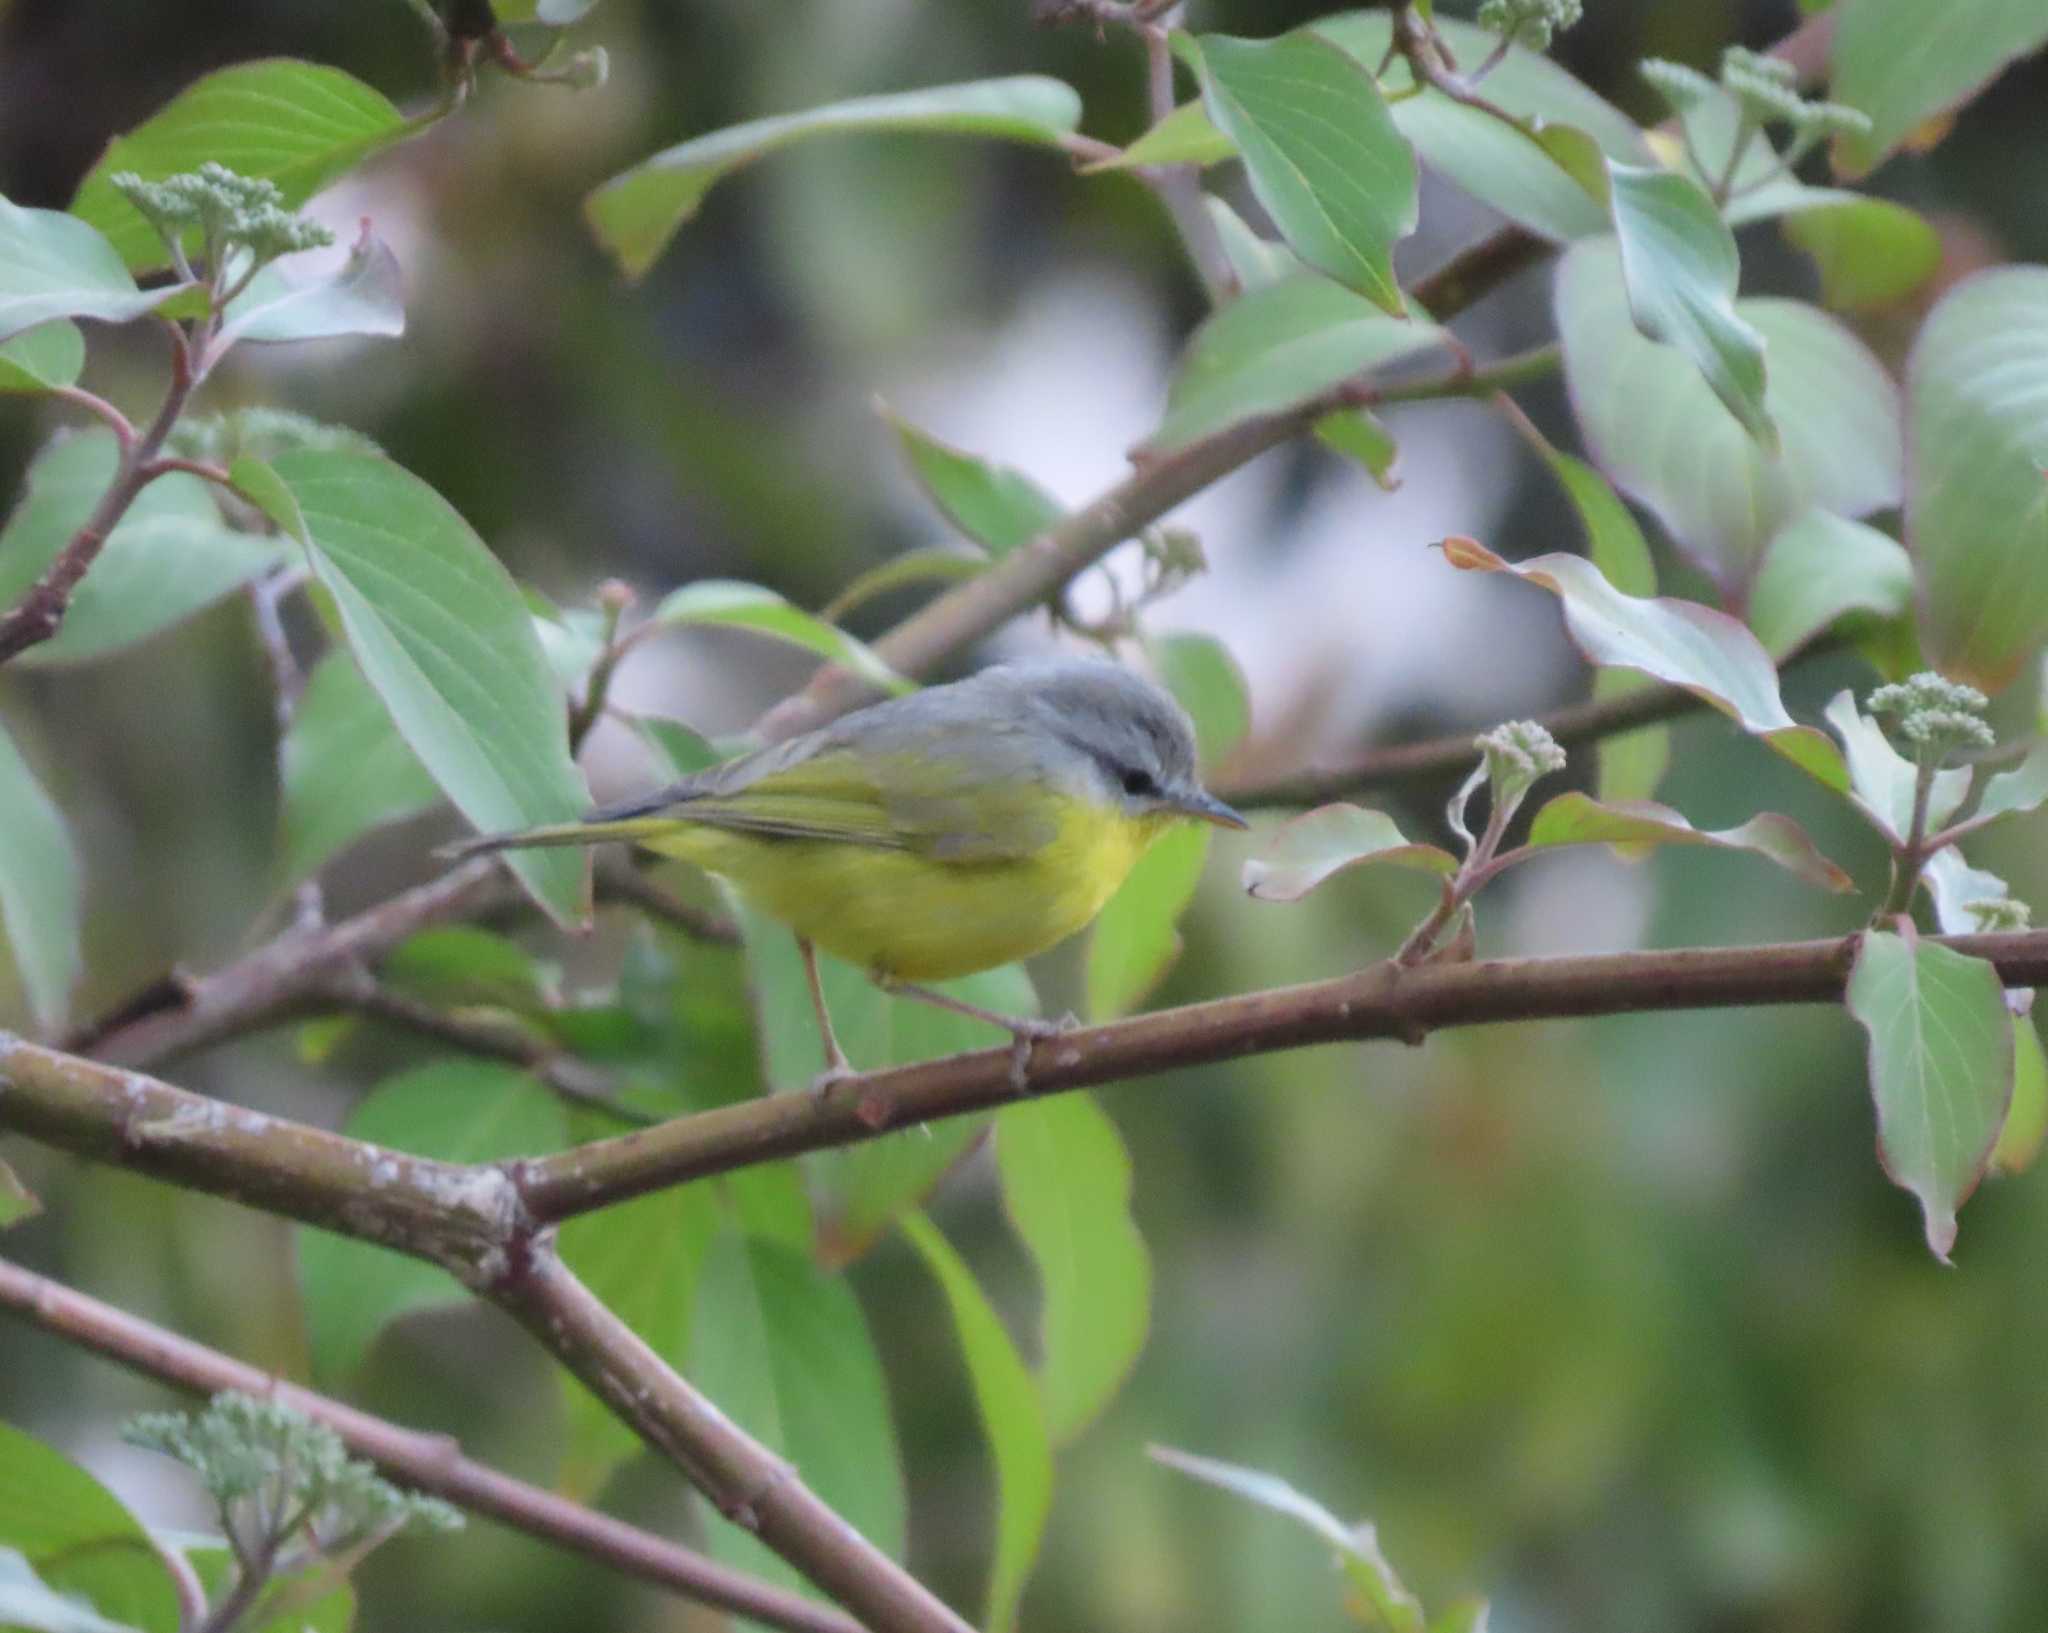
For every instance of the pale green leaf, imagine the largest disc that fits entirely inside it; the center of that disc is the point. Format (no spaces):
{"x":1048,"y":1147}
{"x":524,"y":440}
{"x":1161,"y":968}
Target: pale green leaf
{"x":1299,"y":855}
{"x":17,"y":1201}
{"x":994,"y":505}
{"x":55,"y":266}
{"x":2026,"y":1123}
{"x":1958,"y":890}
{"x":79,"y":1538}
{"x":345,"y":769}
{"x":30,"y":1605}
{"x":1576,"y":819}
{"x":1881,"y":780}
{"x":934,"y":564}
{"x":2023,"y":788}
{"x":364,"y":296}
{"x":41,"y":897}
{"x":50,"y":354}
{"x":1184,"y":136}
{"x":1820,"y":567}
{"x":733,"y":605}
{"x":1255,"y":261}
{"x":1869,"y":252}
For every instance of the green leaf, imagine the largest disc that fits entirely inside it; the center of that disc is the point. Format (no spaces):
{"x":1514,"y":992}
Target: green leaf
{"x":1678,"y":642}
{"x":30,"y":1605}
{"x":1819,"y":568}
{"x":1869,"y":252}
{"x":41,"y":897}
{"x":1321,"y":149}
{"x":1275,"y":349}
{"x":1134,"y":941}
{"x":1256,"y":261}
{"x":1941,"y":1068}
{"x":1680,"y":267}
{"x":1359,"y":434}
{"x":50,"y":354}
{"x":1357,"y":1546}
{"x":1576,"y":819}
{"x":364,"y":296}
{"x":333,"y":1612}
{"x":458,"y":966}
{"x":1206,"y":681}
{"x":1977,"y":493}
{"x":1902,"y":66}
{"x":643,"y":1259}
{"x":637,"y":212}
{"x":1011,"y":1417}
{"x":1881,"y":780}
{"x":935,"y":564}
{"x":1957,"y":889}
{"x":1067,"y":1188}
{"x":17,"y":1201}
{"x":680,"y":749}
{"x":345,"y":769}
{"x":458,"y":1111}
{"x":728,"y":602}
{"x":55,"y":266}
{"x":297,"y":124}
{"x":167,"y":558}
{"x":1184,"y":136}
{"x":1514,"y":170}
{"x":1629,"y":765}
{"x":445,"y":640}
{"x":79,"y":1538}
{"x":994,"y":505}
{"x":783,"y":1349}
{"x":2026,"y":1124}
{"x":2023,"y":788}
{"x":1299,"y":855}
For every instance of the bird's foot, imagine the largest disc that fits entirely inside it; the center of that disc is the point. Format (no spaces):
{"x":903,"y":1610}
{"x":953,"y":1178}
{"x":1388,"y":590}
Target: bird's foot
{"x":837,"y":1071}
{"x":1026,"y":1032}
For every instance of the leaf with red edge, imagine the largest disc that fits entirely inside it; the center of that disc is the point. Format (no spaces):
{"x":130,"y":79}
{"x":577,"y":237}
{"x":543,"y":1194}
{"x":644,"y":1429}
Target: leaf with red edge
{"x":1577,"y":819}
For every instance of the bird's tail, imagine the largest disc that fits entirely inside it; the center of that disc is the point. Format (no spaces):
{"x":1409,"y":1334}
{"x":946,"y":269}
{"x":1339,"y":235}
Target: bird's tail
{"x":561,"y":833}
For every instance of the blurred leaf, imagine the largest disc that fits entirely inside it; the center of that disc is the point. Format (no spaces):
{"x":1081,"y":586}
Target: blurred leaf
{"x":727,"y":602}
{"x":78,"y":1537}
{"x":1184,"y":136}
{"x":1900,"y":65}
{"x":1957,"y":888}
{"x":458,"y":966}
{"x":1510,"y":169}
{"x":50,"y":354}
{"x":1011,"y":1416}
{"x":28,"y":1605}
{"x":1575,"y":819}
{"x":1256,"y":261}
{"x":1466,"y":1615}
{"x":17,"y":1201}
{"x":1276,"y":348}
{"x":2021,"y":789}
{"x":937,"y":564}
{"x":643,"y":1259}
{"x":1656,"y":431}
{"x":364,"y":296}
{"x":333,"y":1612}
{"x":1678,"y":642}
{"x":458,"y":1111}
{"x":1819,"y":567}
{"x":1322,"y":152}
{"x":1067,"y":1188}
{"x":573,"y":639}
{"x":1299,"y":855}
{"x":55,"y":266}
{"x":443,"y":636}
{"x":297,"y":124}
{"x":167,"y":558}
{"x":1679,"y":264}
{"x":681,"y":749}
{"x":782,"y":1348}
{"x":344,"y":768}
{"x":1881,"y":780}
{"x":1358,"y":433}
{"x":2026,"y":1123}
{"x":637,"y":212}
{"x":1941,"y":1068}
{"x":994,"y":505}
{"x":1206,"y":681}
{"x":1134,"y":940}
{"x":1977,"y":494}
{"x":1629,"y":764}
{"x":1868,"y":251}
{"x":41,"y":895}
{"x":1357,"y":1546}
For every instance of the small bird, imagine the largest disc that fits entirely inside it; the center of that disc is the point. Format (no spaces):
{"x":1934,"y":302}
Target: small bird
{"x":936,"y":834}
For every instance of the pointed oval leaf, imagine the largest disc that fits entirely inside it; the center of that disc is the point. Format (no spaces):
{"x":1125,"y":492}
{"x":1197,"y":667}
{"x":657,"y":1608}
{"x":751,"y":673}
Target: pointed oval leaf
{"x":1869,"y":252}
{"x":1184,"y":136}
{"x":49,"y":355}
{"x":1576,"y":819}
{"x":2026,"y":1123}
{"x":1678,"y":642}
{"x":41,"y":898}
{"x":443,"y":636}
{"x":457,"y":1110}
{"x":55,"y":266}
{"x":1820,"y":567}
{"x":1257,"y":261}
{"x":297,"y":124}
{"x":2023,"y":788}
{"x":1011,"y":1417}
{"x":364,"y":296}
{"x":1066,"y":1181}
{"x":1977,"y":494}
{"x":1941,"y":1068}
{"x":79,"y":1538}
{"x":344,"y":768}
{"x":729,"y":602}
{"x":1299,"y":855}
{"x":1275,"y":349}
{"x":1901,"y":66}
{"x":1321,"y":149}
{"x":1656,"y":430}
{"x":994,"y":505}
{"x":637,"y":212}
{"x":1881,"y":780}
{"x":783,"y":1349}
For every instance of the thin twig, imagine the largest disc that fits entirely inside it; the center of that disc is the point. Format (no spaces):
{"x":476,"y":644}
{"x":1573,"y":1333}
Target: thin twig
{"x":425,"y":1462}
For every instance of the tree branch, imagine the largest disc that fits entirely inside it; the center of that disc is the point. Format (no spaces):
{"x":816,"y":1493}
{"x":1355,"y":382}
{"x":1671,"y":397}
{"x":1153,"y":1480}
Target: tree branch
{"x":426,"y":1462}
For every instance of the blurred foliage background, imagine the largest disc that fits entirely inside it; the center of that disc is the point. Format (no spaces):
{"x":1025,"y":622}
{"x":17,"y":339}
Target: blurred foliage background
{"x":1615,"y":1321}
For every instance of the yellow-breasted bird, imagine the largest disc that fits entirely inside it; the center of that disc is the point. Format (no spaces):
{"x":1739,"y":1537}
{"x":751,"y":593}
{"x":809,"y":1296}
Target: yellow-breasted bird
{"x":936,"y":834}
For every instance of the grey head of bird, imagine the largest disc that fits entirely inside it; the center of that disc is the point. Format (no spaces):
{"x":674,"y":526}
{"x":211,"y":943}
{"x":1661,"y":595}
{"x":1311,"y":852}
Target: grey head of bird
{"x":1130,"y":741}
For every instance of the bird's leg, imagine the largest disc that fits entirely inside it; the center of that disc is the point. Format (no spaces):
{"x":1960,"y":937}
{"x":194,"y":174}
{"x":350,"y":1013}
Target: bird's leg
{"x":1024,"y":1030}
{"x":837,"y":1067}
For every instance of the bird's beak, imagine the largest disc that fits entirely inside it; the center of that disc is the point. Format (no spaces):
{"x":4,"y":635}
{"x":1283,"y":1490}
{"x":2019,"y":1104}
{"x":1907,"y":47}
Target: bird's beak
{"x":1204,"y":806}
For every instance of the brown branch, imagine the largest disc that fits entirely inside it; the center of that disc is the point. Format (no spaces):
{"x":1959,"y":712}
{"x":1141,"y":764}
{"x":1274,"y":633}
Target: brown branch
{"x":426,"y":1462}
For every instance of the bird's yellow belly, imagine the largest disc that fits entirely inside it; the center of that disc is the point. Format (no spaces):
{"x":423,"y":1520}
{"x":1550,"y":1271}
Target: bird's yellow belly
{"x":896,"y":913}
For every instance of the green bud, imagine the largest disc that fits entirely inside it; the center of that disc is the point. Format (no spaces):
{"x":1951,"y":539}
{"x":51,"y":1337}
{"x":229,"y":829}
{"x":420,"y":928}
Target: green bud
{"x":1681,"y":87}
{"x":231,"y":213}
{"x":1518,"y":754}
{"x":1529,"y":23}
{"x":2000,"y":913}
{"x":1935,"y":714}
{"x":261,"y":433}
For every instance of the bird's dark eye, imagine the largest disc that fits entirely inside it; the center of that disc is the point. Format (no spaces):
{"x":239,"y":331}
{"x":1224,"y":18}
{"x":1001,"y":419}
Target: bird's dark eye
{"x":1139,"y":783}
